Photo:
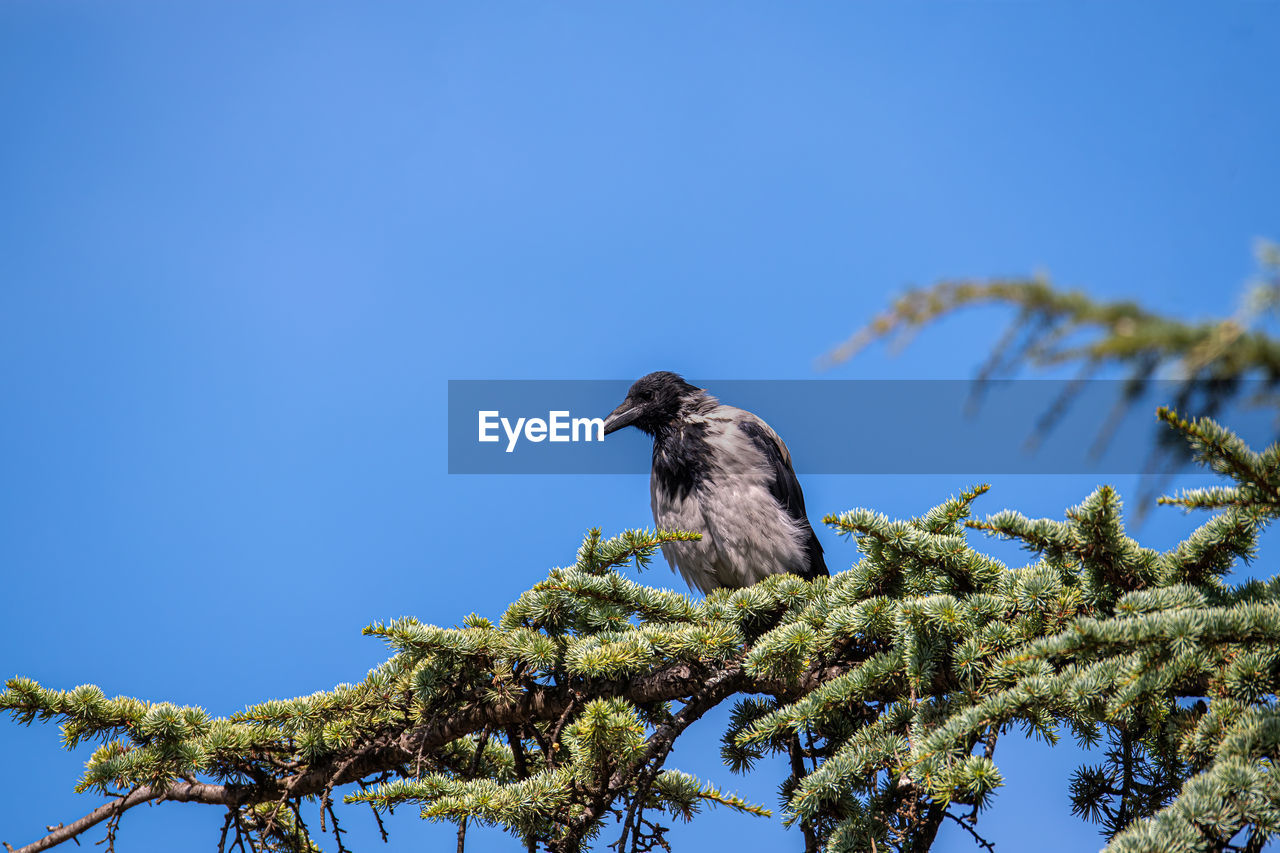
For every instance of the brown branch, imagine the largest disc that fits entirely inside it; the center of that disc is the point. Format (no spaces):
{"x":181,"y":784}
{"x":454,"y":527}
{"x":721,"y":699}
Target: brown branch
{"x":538,"y":703}
{"x":798,"y":772}
{"x":222,"y":839}
{"x":716,"y":690}
{"x":927,"y":828}
{"x":967,"y":826}
{"x":182,"y":792}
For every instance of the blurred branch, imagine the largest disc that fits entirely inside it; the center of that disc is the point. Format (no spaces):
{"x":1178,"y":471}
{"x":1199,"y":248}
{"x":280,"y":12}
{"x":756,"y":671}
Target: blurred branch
{"x":1055,"y":326}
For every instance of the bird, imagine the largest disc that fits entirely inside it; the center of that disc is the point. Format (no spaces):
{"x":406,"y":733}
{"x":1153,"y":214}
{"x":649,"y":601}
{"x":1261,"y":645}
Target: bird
{"x":723,"y":472}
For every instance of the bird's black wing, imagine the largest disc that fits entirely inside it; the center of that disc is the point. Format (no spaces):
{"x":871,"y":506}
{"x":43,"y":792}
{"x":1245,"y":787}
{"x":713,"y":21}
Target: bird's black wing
{"x":784,"y":486}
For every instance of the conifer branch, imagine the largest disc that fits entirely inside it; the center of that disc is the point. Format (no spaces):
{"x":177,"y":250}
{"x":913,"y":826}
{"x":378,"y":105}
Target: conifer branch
{"x":1052,"y":326}
{"x":887,"y":685}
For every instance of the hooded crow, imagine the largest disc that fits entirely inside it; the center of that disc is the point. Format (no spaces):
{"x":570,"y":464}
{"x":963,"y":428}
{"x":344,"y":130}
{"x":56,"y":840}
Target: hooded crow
{"x":721,"y":472}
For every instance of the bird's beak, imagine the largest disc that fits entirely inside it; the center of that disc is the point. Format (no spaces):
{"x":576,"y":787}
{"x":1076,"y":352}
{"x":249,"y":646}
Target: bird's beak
{"x":624,"y":415}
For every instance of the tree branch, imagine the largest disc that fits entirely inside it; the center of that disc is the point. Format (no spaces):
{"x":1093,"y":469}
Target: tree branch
{"x":183,"y":792}
{"x":537,"y":703}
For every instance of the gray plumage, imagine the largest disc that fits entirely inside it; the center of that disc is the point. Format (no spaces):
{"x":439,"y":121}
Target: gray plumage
{"x":722,"y":472}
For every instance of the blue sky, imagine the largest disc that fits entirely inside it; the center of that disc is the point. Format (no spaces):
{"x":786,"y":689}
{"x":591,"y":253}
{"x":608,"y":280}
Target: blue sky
{"x":244,"y":246}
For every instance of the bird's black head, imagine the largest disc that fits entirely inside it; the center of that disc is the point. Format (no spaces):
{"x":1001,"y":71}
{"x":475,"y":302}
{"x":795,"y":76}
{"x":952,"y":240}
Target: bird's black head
{"x":653,"y":402}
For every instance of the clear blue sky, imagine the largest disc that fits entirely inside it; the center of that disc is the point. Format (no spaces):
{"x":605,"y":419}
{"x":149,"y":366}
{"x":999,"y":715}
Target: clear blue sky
{"x":244,"y":245}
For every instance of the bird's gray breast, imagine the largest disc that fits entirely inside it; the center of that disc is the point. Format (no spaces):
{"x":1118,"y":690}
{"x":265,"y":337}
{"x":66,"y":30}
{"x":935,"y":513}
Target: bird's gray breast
{"x":710,"y":478}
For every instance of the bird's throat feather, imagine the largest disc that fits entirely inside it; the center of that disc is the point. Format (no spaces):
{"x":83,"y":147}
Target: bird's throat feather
{"x":681,"y":459}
